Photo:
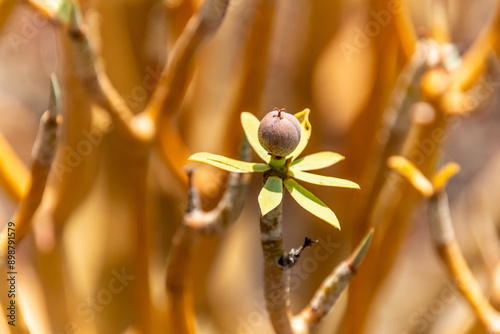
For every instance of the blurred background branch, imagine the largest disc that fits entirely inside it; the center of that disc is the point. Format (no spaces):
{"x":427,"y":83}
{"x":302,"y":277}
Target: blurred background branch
{"x":44,"y":150}
{"x":197,"y":223}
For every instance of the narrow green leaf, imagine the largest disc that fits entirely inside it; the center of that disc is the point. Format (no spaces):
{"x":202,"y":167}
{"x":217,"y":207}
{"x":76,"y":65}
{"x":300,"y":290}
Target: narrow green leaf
{"x":323,"y":180}
{"x":271,"y":195}
{"x":311,"y":203}
{"x":306,"y":128}
{"x":231,"y":165}
{"x":316,"y":161}
{"x":250,"y":125}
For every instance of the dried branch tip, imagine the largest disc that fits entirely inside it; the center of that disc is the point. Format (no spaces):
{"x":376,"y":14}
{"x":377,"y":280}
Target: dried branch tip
{"x":441,"y":178}
{"x":290,"y":259}
{"x":412,"y":174}
{"x":358,"y":255}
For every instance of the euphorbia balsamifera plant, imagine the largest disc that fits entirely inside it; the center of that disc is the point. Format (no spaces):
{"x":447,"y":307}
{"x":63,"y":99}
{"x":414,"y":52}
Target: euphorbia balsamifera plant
{"x":278,"y":140}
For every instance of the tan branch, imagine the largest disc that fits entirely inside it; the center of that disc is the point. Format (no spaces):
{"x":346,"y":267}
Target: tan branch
{"x":181,"y":310}
{"x":174,"y":79}
{"x":396,"y":119}
{"x":173,"y":151}
{"x":476,"y":56}
{"x":440,"y":30}
{"x":13,"y":172}
{"x":390,"y":210}
{"x":443,"y":236}
{"x":43,"y":154}
{"x":276,"y":277}
{"x":89,"y":69}
{"x":44,"y":150}
{"x":277,"y":280}
{"x":405,"y":29}
{"x":195,"y":223}
{"x":331,"y":288}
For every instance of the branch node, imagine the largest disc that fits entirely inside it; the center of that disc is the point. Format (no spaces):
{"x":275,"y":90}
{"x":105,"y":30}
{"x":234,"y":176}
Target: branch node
{"x":290,"y":259}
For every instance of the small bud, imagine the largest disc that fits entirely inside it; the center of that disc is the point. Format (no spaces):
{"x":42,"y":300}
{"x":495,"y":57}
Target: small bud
{"x":279,"y":133}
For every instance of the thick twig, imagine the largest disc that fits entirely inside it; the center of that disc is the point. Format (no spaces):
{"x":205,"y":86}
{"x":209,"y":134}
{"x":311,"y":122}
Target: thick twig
{"x":253,"y":78}
{"x":137,"y":130}
{"x":173,"y":81}
{"x":195,"y":223}
{"x":169,"y":92}
{"x":89,"y":68}
{"x":276,"y":277}
{"x":181,"y":311}
{"x":443,"y":236}
{"x":218,"y":220}
{"x":43,"y":154}
{"x":390,"y":210}
{"x":227,"y":211}
{"x":396,"y":120}
{"x":475,"y":58}
{"x":181,"y":308}
{"x":331,"y":288}
{"x":389,"y":213}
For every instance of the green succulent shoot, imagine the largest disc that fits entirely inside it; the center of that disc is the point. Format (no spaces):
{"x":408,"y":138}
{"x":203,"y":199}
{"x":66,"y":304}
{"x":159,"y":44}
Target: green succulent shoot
{"x":278,"y":140}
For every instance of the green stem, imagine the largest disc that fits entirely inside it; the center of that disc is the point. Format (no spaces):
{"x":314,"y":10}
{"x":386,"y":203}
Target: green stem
{"x":277,"y":163}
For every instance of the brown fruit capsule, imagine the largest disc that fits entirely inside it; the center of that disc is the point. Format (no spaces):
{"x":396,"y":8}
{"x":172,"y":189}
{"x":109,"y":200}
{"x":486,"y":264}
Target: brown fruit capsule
{"x":279,"y":133}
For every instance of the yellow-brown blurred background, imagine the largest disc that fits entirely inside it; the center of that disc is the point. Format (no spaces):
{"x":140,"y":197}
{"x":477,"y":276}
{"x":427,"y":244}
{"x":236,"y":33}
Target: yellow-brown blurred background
{"x":266,"y":54}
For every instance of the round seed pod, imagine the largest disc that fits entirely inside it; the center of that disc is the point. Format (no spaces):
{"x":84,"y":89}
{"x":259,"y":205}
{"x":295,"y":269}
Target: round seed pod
{"x":279,"y":133}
